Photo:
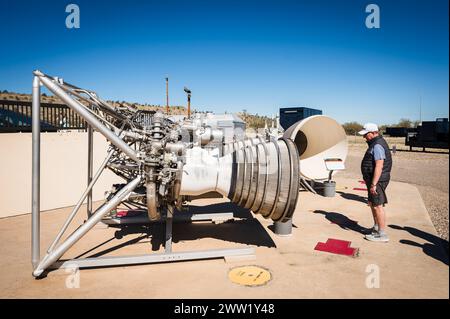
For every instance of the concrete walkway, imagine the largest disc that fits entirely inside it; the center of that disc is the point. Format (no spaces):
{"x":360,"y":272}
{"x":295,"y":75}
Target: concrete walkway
{"x":413,"y":265}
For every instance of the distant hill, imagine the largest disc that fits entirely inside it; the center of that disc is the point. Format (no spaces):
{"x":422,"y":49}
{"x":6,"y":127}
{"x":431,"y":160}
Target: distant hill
{"x":254,"y":121}
{"x":173,"y":109}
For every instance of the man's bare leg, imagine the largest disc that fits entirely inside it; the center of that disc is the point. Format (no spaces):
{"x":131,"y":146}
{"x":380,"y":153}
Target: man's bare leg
{"x":380,"y":217}
{"x":374,"y":215}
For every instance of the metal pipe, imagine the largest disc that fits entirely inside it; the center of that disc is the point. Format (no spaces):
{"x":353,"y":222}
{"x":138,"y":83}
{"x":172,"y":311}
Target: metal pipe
{"x":90,"y":119}
{"x":35,"y":191}
{"x":90,"y":132}
{"x":80,"y":201}
{"x":49,"y":259}
{"x":283,"y":228}
{"x":306,"y":185}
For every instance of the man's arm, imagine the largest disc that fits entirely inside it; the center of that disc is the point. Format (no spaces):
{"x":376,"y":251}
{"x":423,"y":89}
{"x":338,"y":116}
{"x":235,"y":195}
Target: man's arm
{"x":379,"y":156}
{"x":376,"y":175}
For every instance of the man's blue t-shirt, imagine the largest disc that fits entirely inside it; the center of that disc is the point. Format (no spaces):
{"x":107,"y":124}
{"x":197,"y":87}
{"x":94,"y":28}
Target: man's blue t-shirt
{"x":378,"y":152}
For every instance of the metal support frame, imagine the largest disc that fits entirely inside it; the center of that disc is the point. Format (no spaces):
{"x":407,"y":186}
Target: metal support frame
{"x":55,"y":251}
{"x":53,"y":256}
{"x":88,"y":116}
{"x":169,"y":222}
{"x":177,"y":217}
{"x":90,"y":161}
{"x":153,"y":258}
{"x":36,"y":174}
{"x":167,"y":256}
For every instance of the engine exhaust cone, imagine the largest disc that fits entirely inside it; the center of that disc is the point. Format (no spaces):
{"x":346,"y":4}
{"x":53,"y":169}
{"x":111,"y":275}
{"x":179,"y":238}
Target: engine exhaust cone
{"x":265,"y":177}
{"x":317,"y":138}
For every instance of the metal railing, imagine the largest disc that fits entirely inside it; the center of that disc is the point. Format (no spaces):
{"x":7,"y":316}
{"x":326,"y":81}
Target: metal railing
{"x":15,"y":116}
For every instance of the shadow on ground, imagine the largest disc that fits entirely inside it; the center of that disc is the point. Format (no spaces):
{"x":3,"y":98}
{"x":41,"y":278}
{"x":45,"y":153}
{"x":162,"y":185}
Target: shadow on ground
{"x":436,"y":247}
{"x":343,"y":221}
{"x":354,"y":197}
{"x":245,"y":230}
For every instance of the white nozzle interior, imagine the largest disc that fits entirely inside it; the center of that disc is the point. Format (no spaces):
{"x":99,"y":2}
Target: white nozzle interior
{"x":318,"y":138}
{"x":205,"y":171}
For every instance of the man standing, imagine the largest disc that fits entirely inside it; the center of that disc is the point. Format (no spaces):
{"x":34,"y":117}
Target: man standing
{"x":376,"y":170}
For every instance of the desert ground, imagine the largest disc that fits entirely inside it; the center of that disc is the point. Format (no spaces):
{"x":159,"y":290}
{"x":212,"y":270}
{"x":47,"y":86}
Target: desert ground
{"x":414,"y":264}
{"x":428,"y":171}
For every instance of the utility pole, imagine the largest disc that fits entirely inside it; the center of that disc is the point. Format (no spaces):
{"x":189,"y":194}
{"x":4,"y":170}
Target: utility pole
{"x":167,"y":95}
{"x":188,"y":92}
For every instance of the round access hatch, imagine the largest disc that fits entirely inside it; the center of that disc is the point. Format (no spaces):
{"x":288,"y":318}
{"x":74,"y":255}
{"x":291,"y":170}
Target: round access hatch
{"x":249,"y":275}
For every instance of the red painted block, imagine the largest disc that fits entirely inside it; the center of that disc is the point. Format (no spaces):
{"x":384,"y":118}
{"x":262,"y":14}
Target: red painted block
{"x":129,"y":213}
{"x":337,"y":246}
{"x":122,"y":213}
{"x":360,"y":189}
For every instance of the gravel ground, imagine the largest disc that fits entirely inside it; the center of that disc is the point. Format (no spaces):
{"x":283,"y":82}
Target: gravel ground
{"x":428,"y":171}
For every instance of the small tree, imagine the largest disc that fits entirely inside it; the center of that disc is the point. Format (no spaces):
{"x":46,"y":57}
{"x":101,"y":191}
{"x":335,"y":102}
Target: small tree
{"x":404,"y":123}
{"x":351,"y":128}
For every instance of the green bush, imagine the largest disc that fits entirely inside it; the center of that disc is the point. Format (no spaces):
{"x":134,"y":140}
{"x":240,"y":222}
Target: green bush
{"x":351,"y":128}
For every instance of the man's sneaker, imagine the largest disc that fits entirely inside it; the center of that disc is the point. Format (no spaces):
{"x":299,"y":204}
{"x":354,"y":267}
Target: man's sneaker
{"x":383,"y":238}
{"x":372,"y":230}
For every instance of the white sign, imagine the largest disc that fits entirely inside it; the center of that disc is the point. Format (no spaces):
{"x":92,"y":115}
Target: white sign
{"x":334,"y":164}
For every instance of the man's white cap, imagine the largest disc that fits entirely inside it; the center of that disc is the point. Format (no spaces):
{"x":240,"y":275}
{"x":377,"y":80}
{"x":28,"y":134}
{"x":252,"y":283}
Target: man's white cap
{"x":368,"y":127}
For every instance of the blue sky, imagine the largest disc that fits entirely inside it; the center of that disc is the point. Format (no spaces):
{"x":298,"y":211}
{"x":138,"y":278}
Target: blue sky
{"x":235,"y":55}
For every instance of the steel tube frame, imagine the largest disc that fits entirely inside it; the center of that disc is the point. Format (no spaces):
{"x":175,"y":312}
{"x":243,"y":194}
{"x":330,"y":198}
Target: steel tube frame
{"x":36,"y":167}
{"x":81,"y":200}
{"x":54,"y":252}
{"x":90,"y":118}
{"x":50,"y":258}
{"x":90,"y":168}
{"x":153,"y":258}
{"x":181,"y":217}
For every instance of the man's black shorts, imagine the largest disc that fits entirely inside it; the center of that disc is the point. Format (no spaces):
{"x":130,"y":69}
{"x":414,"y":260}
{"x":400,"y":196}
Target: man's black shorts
{"x":380,"y":198}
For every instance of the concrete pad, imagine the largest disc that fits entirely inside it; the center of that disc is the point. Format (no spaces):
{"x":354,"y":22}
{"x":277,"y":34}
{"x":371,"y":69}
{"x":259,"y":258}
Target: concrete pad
{"x":241,"y":258}
{"x":412,"y":265}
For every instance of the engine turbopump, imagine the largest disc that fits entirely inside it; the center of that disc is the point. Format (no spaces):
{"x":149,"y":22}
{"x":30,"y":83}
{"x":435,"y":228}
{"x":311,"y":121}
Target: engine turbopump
{"x":178,"y":161}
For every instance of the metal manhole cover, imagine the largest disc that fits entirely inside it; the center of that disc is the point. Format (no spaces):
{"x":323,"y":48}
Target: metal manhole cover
{"x":249,"y":275}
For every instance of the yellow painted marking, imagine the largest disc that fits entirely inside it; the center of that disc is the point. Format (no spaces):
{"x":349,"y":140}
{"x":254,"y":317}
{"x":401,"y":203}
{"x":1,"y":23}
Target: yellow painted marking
{"x":249,"y":275}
